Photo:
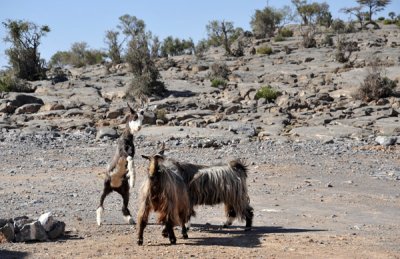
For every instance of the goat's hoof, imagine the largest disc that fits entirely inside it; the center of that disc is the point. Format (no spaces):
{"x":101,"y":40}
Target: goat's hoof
{"x":185,"y":236}
{"x":140,"y":242}
{"x":225,"y":226}
{"x":164,"y":233}
{"x":173,"y":241}
{"x":247,"y":228}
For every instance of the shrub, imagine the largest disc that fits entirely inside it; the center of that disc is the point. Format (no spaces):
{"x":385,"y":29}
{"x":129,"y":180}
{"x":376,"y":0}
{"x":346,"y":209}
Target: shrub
{"x":9,"y":83}
{"x":309,"y":39}
{"x":218,"y":82}
{"x":285,"y":32}
{"x":381,"y":18}
{"x":219,"y":70}
{"x":338,"y":26}
{"x":375,"y":86}
{"x":344,"y":49}
{"x":387,"y":22}
{"x":268,"y":93}
{"x":279,"y":38}
{"x":265,"y":50}
{"x":161,"y":115}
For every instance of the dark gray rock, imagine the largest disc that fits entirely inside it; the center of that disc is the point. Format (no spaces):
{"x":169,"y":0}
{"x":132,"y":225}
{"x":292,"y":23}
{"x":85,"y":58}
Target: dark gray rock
{"x":57,"y":230}
{"x":8,"y":231}
{"x":28,"y":108}
{"x":31,"y":232}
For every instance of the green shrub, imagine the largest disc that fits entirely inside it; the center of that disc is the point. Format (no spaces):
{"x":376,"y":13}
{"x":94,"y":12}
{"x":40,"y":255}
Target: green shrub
{"x":381,"y":18}
{"x":387,"y":22}
{"x":264,"y":50}
{"x":161,"y":115}
{"x":6,"y":83}
{"x":218,"y":82}
{"x":279,"y":38}
{"x":285,"y":32}
{"x":268,"y":93}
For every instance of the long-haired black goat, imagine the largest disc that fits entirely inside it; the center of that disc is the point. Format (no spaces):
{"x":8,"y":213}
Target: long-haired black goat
{"x":165,"y":192}
{"x":215,"y":184}
{"x":120,"y":175}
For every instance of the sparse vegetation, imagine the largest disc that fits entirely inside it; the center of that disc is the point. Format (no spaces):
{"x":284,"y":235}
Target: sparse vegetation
{"x":78,"y":56}
{"x":344,"y":48}
{"x":114,"y":47}
{"x":219,"y":70}
{"x":285,"y":32}
{"x":264,"y":50}
{"x":373,"y":6}
{"x":375,"y":86}
{"x":222,"y":33}
{"x":218,"y":82}
{"x":24,"y":57}
{"x":268,"y":93}
{"x":146,"y":77}
{"x":10,"y":83}
{"x":174,"y":46}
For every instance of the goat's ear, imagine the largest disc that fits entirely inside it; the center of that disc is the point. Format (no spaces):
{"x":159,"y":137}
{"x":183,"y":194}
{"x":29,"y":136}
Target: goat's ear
{"x":130,"y":108}
{"x":159,"y":156}
{"x":146,"y":157}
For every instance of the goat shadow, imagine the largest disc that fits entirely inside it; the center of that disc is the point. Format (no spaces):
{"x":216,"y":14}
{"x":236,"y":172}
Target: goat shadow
{"x":7,"y":254}
{"x":237,"y":237}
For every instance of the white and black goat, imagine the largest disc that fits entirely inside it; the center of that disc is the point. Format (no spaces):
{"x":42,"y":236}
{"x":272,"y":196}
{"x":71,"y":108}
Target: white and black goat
{"x":215,"y":184}
{"x":120,"y":176}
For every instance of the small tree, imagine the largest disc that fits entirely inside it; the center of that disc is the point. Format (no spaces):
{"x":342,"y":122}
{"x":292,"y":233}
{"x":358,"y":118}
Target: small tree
{"x":24,"y":56}
{"x":392,"y":15}
{"x":357,"y":12}
{"x":222,"y":33}
{"x":114,"y":47}
{"x":373,"y":6}
{"x":264,"y":22}
{"x":312,"y":13}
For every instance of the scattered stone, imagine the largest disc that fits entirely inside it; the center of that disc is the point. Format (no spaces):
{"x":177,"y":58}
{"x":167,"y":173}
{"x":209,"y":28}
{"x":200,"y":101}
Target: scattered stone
{"x":386,"y":141}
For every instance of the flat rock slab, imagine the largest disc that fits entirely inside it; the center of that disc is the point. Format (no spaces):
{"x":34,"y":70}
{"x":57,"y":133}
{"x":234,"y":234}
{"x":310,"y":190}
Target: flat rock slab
{"x":183,"y":132}
{"x":326,"y":132}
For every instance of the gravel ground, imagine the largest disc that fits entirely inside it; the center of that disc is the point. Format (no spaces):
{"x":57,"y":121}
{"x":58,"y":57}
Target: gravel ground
{"x":338,"y":200}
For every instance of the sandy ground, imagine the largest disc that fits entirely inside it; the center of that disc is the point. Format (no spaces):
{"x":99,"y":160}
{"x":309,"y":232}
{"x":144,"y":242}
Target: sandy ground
{"x":307,"y":204}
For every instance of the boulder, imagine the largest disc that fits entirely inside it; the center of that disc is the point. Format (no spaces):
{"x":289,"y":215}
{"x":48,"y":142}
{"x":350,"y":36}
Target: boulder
{"x":31,"y":232}
{"x":28,"y":108}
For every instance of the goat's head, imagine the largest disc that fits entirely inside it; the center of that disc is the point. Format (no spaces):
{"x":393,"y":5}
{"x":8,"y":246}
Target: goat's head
{"x":134,"y":119}
{"x":155,"y":161}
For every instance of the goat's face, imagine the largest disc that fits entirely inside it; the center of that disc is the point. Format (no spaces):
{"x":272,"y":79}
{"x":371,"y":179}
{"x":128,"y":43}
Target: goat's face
{"x":154,"y":164}
{"x":134,"y":120}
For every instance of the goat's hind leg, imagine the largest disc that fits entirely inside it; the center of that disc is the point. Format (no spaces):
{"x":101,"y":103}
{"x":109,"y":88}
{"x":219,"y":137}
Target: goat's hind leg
{"x":106,"y":191}
{"x":249,"y":217}
{"x":124,"y":192}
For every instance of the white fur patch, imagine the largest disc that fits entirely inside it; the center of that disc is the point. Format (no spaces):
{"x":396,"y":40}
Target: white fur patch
{"x":99,"y":212}
{"x":188,"y":224}
{"x":134,"y":126}
{"x":131,"y":172}
{"x":129,"y":220}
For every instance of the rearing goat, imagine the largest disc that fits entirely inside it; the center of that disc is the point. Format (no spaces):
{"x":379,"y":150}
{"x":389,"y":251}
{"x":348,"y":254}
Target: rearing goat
{"x":120,"y":175}
{"x":165,"y":192}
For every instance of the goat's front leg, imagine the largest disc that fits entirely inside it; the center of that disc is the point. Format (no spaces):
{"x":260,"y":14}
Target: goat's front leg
{"x":143,"y":216}
{"x":170,"y":229}
{"x":230,"y":215}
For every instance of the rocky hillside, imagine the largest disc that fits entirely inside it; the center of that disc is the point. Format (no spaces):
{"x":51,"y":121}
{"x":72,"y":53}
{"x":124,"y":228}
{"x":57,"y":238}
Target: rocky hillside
{"x":315,"y":103}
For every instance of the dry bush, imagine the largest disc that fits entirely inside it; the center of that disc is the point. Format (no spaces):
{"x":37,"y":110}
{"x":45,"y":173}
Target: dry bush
{"x":344,"y":49}
{"x":375,"y":86}
{"x":219,"y":70}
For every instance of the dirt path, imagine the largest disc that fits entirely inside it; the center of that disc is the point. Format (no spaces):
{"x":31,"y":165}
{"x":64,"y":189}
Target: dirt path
{"x":309,"y":202}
